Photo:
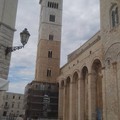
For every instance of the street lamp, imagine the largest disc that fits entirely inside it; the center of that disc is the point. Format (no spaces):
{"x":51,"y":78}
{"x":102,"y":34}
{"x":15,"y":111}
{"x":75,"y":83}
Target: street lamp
{"x":24,"y":35}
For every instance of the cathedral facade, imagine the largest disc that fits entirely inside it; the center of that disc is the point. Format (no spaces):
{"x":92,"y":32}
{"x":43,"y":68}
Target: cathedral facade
{"x":89,"y":84}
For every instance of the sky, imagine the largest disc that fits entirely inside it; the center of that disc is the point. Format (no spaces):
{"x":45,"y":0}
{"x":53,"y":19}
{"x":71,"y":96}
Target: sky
{"x":81,"y":20}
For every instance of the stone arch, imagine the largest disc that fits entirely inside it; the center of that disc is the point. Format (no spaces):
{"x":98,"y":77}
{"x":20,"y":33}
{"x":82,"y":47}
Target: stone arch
{"x":84,"y":72}
{"x":68,"y":80}
{"x":75,"y":76}
{"x":94,"y":59}
{"x":112,"y":52}
{"x":84,"y":93}
{"x":96,"y":90}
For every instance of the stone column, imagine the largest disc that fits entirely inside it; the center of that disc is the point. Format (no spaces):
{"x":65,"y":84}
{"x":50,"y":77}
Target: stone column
{"x":79,"y":100}
{"x":64,"y":103}
{"x":89,"y":97}
{"x":104,"y":93}
{"x":76,"y":100}
{"x":111,"y":93}
{"x":118,"y":79}
{"x":71,"y":101}
{"x":117,"y":88}
{"x":60,"y":116}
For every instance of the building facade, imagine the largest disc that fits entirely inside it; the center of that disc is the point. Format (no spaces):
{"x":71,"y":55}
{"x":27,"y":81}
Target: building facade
{"x":44,"y":89}
{"x":13,"y":105}
{"x":8,"y":9}
{"x":89,"y":84}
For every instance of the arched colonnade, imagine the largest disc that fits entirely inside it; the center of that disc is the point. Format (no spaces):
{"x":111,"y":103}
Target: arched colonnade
{"x":80,"y":94}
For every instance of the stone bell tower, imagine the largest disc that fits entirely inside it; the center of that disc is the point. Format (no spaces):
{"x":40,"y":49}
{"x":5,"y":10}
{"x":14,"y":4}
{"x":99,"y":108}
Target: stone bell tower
{"x":48,"y":53}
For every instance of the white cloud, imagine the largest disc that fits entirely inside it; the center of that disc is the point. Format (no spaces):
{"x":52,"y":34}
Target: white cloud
{"x":17,"y":87}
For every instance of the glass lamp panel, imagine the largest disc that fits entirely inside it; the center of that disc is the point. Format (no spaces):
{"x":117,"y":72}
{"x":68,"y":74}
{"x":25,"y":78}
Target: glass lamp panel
{"x":24,"y":36}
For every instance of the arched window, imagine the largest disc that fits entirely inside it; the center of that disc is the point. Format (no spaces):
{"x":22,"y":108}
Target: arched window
{"x":48,"y":72}
{"x":49,"y":54}
{"x":114,"y":15}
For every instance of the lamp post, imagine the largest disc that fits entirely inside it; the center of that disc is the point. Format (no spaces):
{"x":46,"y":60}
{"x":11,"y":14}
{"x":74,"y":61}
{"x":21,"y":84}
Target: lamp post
{"x":24,"y":35}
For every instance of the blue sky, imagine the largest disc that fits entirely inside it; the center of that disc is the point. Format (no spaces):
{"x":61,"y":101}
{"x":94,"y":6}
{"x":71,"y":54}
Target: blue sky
{"x":80,"y":22}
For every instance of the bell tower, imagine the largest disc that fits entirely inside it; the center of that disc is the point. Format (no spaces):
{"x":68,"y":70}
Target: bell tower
{"x":48,"y":53}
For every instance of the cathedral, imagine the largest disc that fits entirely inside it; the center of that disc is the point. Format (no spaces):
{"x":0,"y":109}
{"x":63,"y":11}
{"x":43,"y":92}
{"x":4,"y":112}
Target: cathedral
{"x":89,"y":83}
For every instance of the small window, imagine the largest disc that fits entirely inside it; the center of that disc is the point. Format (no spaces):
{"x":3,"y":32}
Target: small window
{"x":52,"y":18}
{"x":6,"y":103}
{"x":114,"y":16}
{"x":48,"y":73}
{"x":51,"y":37}
{"x":19,"y":97}
{"x":18,"y":105}
{"x":4,"y":113}
{"x":50,"y":54}
{"x":13,"y":97}
{"x":12,"y":105}
{"x":53,"y":5}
